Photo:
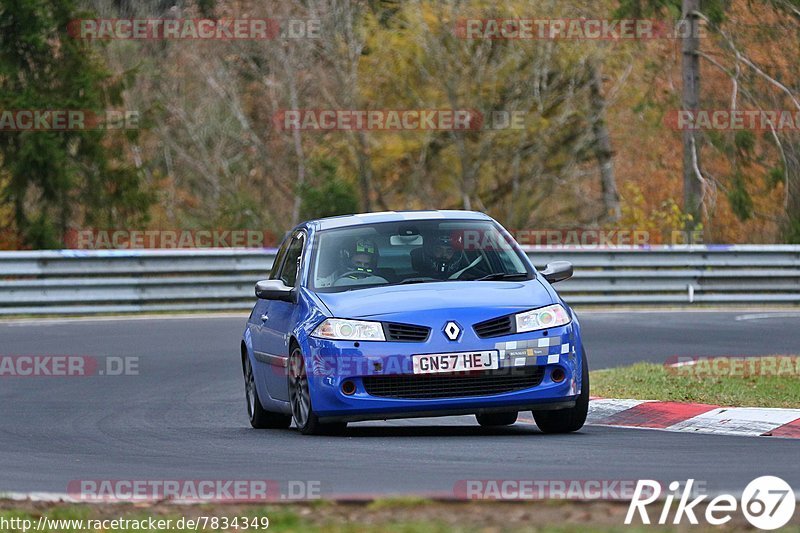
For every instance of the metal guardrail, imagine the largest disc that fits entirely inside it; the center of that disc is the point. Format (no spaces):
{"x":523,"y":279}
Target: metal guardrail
{"x":129,"y":281}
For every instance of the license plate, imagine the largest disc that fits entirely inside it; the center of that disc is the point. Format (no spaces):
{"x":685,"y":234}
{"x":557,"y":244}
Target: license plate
{"x":455,"y":362}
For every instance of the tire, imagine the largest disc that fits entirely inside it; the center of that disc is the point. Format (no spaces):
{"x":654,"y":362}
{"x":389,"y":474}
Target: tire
{"x":303,"y":413}
{"x":497,"y":419}
{"x":567,"y":420}
{"x":259,"y":417}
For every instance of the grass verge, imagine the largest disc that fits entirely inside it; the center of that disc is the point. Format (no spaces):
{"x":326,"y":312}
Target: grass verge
{"x":772,"y":381}
{"x":419,"y":516}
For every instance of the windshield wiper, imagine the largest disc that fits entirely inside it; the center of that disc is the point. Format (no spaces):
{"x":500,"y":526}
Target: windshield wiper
{"x":503,"y":276}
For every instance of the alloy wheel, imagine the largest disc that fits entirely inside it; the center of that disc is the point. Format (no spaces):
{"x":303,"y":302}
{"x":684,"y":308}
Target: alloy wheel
{"x":299,"y":396}
{"x":249,"y":387}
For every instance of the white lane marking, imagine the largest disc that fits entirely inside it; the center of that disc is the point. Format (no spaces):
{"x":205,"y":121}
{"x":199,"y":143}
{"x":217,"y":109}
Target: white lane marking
{"x":748,"y":421}
{"x":679,"y":364}
{"x":55,"y":497}
{"x":671,"y":310}
{"x":765,"y":316}
{"x":56,"y":321}
{"x":39,"y":496}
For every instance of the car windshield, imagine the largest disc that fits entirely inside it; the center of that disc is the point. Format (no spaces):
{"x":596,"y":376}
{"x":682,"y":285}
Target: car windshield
{"x":406,"y":252}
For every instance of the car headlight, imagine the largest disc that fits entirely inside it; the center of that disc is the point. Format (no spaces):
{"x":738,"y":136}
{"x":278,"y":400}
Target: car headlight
{"x":551,"y":316}
{"x":349,"y":330}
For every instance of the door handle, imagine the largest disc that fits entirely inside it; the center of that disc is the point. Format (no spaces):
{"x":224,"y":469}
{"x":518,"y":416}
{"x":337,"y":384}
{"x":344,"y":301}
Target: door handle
{"x":264,"y":318}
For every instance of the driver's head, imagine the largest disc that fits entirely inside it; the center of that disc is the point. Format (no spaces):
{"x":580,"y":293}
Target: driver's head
{"x":442,"y":249}
{"x":363,"y":255}
{"x":441,"y":252}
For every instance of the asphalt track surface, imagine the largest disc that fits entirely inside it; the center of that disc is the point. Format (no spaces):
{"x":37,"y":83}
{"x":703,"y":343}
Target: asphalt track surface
{"x":183,"y":416}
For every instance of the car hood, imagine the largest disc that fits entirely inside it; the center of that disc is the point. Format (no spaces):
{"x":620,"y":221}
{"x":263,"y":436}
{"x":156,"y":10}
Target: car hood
{"x":493,"y":297}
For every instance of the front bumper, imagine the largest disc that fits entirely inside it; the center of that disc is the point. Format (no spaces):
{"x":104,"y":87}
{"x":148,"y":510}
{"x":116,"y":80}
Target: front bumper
{"x":332,"y":363}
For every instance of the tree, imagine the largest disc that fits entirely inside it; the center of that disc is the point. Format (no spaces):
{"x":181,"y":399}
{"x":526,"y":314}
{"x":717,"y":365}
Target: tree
{"x":761,"y":88}
{"x":511,"y":172}
{"x":58,"y":179}
{"x":326,"y":194}
{"x":690,"y":70}
{"x":340,"y":47}
{"x":602,"y":144}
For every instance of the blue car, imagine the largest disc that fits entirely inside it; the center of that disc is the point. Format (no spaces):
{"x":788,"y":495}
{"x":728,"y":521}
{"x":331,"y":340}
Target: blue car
{"x":411,"y":314}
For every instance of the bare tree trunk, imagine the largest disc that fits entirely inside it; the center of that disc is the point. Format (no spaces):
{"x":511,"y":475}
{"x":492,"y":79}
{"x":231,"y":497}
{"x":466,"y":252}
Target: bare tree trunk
{"x":467,"y":174}
{"x":602,"y":142}
{"x":294,"y":102}
{"x":342,"y":46}
{"x":364,"y":171}
{"x":301,"y":175}
{"x":692,"y":184}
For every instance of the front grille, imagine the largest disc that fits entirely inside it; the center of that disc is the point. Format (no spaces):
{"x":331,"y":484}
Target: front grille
{"x":430,"y":386}
{"x":494,"y":327}
{"x":406,"y":332}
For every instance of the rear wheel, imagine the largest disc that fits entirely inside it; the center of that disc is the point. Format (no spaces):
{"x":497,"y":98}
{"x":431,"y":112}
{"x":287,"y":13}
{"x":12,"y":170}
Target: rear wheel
{"x":303,"y":413}
{"x":259,"y":417}
{"x":567,"y":420}
{"x":497,"y":419}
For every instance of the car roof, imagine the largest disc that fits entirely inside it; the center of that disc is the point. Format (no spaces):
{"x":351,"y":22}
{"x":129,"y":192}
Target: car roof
{"x":343,"y":221}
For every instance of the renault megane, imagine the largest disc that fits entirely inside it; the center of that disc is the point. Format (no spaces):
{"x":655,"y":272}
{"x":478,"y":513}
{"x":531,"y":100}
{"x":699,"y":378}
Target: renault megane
{"x":411,"y":314}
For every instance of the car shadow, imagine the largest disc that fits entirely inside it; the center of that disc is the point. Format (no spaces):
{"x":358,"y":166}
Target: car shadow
{"x":376,"y":430}
{"x":366,"y":431}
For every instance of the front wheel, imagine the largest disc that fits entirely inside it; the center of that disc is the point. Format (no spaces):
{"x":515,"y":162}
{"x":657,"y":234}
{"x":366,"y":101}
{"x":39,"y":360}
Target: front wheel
{"x":567,"y":420}
{"x":300,"y":399}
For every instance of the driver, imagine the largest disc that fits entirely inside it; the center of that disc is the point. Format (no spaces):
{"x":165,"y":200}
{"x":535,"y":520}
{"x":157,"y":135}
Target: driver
{"x":440,"y":258}
{"x":359,"y":261}
{"x":361,"y":257}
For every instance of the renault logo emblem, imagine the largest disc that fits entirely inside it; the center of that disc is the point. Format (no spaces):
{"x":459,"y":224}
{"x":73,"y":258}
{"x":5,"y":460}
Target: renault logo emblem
{"x":452,"y":330}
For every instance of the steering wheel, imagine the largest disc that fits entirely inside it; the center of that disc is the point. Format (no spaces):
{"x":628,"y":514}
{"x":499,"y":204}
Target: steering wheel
{"x":457,"y":275}
{"x":357,"y":274}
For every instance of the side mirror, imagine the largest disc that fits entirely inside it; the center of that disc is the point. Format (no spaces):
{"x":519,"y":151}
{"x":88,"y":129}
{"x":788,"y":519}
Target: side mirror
{"x":557,"y":271}
{"x":275,"y":289}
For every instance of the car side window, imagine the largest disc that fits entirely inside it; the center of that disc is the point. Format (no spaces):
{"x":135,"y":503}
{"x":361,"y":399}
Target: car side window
{"x":276,"y":265}
{"x":292,"y":263}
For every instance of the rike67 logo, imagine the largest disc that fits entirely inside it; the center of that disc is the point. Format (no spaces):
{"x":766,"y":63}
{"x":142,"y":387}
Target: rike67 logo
{"x":767,"y":502}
